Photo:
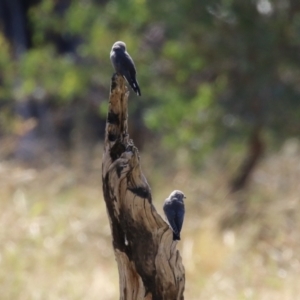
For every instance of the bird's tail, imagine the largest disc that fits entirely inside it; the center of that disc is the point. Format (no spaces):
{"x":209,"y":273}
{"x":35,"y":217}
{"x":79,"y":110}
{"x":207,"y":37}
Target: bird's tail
{"x":176,"y":236}
{"x":135,"y":87}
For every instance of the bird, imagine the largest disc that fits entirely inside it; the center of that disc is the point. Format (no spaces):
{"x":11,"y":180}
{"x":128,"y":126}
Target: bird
{"x":124,"y":65}
{"x":174,"y":210}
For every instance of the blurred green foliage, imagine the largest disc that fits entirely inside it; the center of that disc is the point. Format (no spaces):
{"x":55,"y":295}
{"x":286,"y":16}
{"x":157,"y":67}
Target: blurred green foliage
{"x":209,"y":71}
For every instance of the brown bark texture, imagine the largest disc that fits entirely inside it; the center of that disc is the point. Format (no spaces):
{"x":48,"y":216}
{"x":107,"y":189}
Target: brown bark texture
{"x":150,"y":266}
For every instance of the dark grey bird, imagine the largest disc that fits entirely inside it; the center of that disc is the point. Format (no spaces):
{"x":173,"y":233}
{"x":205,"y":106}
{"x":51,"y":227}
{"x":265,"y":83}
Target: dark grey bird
{"x":124,"y":65}
{"x":174,"y":211}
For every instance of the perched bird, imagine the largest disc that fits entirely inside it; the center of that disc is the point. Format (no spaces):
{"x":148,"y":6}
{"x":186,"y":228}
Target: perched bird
{"x":124,"y":65}
{"x":174,"y":211}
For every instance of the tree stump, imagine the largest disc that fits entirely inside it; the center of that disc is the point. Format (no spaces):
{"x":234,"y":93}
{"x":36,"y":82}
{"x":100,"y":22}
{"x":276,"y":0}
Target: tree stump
{"x":150,"y":266}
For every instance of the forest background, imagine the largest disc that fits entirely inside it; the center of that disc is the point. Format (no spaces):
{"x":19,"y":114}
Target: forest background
{"x":218,"y":119}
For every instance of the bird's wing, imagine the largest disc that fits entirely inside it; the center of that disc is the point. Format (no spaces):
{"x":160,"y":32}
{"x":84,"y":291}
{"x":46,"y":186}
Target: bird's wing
{"x":129,"y":64}
{"x":178,"y":219}
{"x":171,"y":214}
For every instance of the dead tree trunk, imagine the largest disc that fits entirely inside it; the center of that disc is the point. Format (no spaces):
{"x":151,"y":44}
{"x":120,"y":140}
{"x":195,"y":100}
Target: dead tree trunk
{"x":149,"y":264}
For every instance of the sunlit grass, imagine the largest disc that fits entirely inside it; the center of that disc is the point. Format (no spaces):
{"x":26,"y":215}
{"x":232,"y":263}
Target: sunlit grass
{"x":55,"y":237}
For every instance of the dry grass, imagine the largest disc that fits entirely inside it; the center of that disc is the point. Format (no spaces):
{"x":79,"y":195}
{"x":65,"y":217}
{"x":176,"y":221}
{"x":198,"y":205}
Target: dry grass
{"x":55,"y":237}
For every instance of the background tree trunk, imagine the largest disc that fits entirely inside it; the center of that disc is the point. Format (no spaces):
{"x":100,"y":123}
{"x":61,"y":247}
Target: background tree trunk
{"x":256,"y":149}
{"x":150,"y":266}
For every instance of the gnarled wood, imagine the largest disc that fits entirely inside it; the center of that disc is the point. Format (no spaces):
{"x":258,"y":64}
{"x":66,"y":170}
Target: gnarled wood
{"x":150,"y":266}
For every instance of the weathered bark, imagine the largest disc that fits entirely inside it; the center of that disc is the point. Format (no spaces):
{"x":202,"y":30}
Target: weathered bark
{"x":149,"y":264}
